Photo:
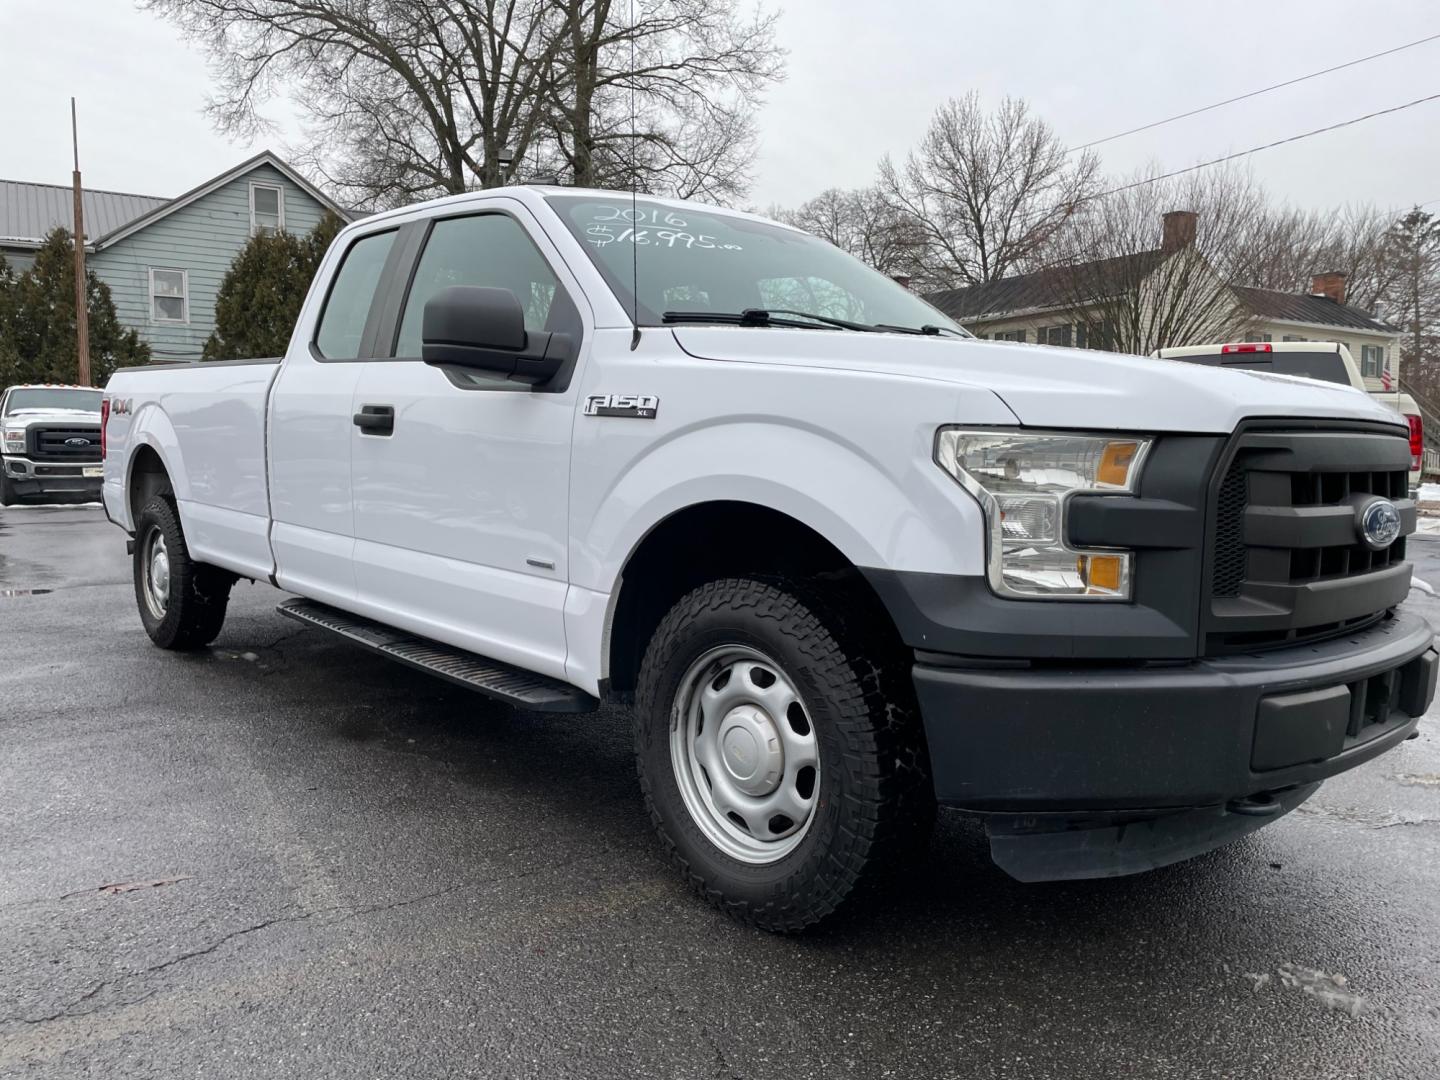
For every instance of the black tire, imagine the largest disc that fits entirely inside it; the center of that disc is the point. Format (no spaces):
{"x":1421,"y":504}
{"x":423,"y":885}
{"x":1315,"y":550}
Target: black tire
{"x":8,"y":497}
{"x":194,"y":609}
{"x":873,"y":801}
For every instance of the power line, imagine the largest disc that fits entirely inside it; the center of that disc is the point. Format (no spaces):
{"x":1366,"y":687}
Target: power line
{"x":1265,"y":146}
{"x":1030,"y":219}
{"x":1253,"y":93}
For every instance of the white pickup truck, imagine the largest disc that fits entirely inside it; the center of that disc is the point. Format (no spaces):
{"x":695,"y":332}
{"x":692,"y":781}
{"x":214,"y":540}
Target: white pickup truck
{"x":1328,"y":361}
{"x":49,"y":442}
{"x":848,"y":562}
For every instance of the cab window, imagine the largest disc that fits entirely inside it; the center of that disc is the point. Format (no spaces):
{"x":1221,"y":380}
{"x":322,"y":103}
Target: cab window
{"x":342,"y":323}
{"x":490,"y":250}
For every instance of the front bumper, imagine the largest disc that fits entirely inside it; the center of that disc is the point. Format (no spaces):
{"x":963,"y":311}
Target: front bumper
{"x":1052,"y":738}
{"x":47,"y":478}
{"x":1101,"y":771}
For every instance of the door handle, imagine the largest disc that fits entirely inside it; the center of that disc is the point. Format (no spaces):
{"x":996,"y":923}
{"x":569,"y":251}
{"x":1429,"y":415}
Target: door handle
{"x":376,"y":419}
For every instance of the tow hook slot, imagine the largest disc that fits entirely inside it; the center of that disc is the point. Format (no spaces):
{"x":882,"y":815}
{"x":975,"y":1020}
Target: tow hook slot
{"x":1262,"y":805}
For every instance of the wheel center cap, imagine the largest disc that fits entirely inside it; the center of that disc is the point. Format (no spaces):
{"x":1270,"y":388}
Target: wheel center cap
{"x":751,"y":751}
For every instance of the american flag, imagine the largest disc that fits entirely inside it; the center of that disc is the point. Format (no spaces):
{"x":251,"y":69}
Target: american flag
{"x":1386,"y":382}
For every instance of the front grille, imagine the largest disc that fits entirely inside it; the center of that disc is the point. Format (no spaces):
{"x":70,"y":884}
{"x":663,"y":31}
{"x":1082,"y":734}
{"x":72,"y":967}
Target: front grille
{"x":1287,"y":564}
{"x":62,"y":443}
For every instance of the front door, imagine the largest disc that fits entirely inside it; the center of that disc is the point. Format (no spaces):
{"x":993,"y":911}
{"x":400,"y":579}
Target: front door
{"x":461,"y":498}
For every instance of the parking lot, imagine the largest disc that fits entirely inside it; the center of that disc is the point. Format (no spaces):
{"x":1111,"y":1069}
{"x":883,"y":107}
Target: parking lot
{"x":282,"y":857}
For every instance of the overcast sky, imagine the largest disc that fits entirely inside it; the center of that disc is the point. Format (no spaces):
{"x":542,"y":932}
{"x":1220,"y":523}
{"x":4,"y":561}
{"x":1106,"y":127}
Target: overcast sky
{"x":863,"y":79}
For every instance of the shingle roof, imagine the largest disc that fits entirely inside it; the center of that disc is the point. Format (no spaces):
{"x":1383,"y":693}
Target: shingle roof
{"x":1299,"y":307}
{"x":29,"y":211}
{"x":1041,"y":290}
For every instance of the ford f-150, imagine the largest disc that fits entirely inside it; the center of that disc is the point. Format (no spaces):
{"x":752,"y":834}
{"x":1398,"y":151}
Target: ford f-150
{"x":848,"y":562}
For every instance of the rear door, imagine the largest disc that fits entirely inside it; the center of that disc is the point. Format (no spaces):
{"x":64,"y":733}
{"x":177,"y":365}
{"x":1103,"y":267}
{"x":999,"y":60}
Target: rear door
{"x":312,"y":532}
{"x":461,"y":502}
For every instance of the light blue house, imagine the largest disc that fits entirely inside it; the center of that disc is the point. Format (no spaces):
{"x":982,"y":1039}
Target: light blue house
{"x":164,"y":258}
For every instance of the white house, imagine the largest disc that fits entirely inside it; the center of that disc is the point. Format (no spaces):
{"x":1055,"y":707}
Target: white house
{"x":1065,"y":306}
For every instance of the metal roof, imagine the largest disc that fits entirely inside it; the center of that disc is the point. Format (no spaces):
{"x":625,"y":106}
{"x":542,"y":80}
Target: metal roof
{"x":29,"y":211}
{"x":1042,"y":290}
{"x":1308,"y":308}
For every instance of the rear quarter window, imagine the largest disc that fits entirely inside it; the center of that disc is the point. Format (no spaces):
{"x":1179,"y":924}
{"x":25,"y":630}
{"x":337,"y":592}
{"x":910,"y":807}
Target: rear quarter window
{"x":352,"y":293}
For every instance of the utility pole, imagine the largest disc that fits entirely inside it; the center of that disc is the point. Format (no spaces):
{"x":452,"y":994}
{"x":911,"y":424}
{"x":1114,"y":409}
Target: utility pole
{"x":82,"y":308}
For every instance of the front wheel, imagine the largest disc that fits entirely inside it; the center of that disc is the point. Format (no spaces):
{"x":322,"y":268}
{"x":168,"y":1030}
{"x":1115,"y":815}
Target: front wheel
{"x":182,"y":603}
{"x":780,"y":755}
{"x":8,"y":497}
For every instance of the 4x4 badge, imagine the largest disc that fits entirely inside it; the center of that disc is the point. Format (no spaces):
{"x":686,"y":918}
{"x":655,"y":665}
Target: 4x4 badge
{"x":635,"y":406}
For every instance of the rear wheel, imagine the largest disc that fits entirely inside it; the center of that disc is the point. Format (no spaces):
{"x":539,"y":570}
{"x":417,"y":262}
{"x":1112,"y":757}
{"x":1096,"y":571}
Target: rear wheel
{"x":182,"y":603}
{"x":782,"y":771}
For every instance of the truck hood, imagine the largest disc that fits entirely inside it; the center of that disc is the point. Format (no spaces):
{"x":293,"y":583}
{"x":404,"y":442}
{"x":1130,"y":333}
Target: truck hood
{"x":28,"y":418}
{"x":1050,"y":387}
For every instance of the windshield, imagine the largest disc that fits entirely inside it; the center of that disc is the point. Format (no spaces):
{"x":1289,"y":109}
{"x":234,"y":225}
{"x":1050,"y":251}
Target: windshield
{"x":53,"y":398}
{"x":1326,"y":366}
{"x":693,"y":262}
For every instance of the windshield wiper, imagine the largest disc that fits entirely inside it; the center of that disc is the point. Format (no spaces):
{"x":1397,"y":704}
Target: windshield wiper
{"x":928,"y":329}
{"x":764,"y":317}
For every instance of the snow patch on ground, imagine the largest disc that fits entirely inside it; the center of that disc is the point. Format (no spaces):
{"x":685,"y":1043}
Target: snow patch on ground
{"x":1331,"y":991}
{"x":1430,"y":493}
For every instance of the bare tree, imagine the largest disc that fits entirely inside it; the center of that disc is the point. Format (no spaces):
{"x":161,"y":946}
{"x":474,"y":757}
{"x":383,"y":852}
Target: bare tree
{"x":412,"y":98}
{"x":1147,"y":266}
{"x":665,"y":102}
{"x":1414,"y":247}
{"x":865,"y":223}
{"x":989,"y":190}
{"x":1283,"y":248}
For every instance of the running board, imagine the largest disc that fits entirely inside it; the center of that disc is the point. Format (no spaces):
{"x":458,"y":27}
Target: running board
{"x":522,"y":689}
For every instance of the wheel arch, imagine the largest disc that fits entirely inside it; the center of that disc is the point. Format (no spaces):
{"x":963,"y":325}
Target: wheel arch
{"x":147,"y":476}
{"x":152,"y":461}
{"x":721,"y":538}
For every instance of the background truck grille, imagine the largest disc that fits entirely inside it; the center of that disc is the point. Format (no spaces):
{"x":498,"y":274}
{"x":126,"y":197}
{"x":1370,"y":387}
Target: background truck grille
{"x":1287,"y":563}
{"x":62,"y":443}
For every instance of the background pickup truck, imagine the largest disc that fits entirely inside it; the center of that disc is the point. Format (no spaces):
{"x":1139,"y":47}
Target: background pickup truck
{"x":1329,"y":361}
{"x":50,"y":439}
{"x":848,"y":562}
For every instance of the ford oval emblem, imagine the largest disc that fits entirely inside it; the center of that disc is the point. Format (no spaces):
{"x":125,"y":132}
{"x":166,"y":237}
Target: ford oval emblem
{"x":1378,"y":524}
{"x":77,"y":442}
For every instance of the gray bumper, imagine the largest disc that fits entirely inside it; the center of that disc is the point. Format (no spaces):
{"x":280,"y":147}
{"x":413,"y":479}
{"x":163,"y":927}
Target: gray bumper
{"x":1063,"y":739}
{"x":45,"y":478}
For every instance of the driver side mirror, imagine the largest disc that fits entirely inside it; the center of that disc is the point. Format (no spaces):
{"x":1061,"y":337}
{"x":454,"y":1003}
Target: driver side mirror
{"x":484,"y":328}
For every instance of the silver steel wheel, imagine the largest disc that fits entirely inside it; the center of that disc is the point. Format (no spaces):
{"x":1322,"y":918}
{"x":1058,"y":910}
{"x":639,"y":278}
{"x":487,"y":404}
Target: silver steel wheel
{"x":155,"y":574}
{"x":745,"y":754}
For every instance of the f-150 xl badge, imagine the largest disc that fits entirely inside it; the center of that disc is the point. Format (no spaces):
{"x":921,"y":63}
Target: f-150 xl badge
{"x":635,"y":406}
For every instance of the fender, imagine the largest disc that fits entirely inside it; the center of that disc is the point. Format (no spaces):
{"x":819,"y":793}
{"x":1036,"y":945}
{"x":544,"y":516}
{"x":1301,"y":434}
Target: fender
{"x":151,"y":427}
{"x":912,"y":519}
{"x":875,"y":518}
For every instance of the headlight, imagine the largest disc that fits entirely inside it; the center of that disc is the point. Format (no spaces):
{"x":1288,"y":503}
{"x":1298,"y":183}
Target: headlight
{"x":15,"y":441}
{"x":1023,"y":481}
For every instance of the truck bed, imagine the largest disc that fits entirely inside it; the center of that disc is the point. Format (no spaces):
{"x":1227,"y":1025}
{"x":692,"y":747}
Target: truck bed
{"x":208,"y":419}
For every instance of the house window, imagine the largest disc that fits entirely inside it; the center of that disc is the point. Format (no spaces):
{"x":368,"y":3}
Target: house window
{"x":169,"y":295}
{"x":1293,"y":337}
{"x":1010,"y":335}
{"x":267,"y":208}
{"x":1372,"y":360}
{"x":1053,"y":335}
{"x":1261,"y":337}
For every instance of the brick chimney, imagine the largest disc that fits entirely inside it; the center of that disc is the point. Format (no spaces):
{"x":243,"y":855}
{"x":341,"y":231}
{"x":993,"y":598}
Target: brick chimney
{"x":1179,"y":230}
{"x":1331,"y":284}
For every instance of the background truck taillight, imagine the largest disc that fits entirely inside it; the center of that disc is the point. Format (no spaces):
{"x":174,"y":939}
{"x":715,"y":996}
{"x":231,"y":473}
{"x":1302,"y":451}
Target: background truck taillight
{"x":1417,"y":440}
{"x":105,"y":421}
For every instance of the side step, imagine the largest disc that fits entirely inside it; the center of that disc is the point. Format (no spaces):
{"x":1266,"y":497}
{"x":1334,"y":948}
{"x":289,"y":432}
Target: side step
{"x":522,"y":689}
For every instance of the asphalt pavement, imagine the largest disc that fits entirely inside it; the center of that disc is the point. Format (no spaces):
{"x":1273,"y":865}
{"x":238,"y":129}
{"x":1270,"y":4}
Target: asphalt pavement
{"x":281,"y":857}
